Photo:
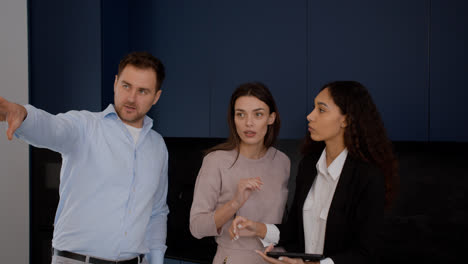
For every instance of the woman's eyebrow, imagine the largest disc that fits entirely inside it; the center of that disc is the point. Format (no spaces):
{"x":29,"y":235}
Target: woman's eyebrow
{"x":322,"y":103}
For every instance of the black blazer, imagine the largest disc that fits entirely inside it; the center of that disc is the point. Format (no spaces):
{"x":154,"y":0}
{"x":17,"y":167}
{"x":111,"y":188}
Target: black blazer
{"x":355,"y":217}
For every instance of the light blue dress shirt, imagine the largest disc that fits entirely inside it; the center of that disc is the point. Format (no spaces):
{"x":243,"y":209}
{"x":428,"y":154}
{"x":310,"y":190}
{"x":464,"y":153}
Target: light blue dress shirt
{"x":112,"y":191}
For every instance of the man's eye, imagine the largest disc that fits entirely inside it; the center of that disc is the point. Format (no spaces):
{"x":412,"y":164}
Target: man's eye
{"x":125,"y":86}
{"x":259,"y":114}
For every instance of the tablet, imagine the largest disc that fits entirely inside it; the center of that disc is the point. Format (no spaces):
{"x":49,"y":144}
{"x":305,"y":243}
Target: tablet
{"x":303,"y":256}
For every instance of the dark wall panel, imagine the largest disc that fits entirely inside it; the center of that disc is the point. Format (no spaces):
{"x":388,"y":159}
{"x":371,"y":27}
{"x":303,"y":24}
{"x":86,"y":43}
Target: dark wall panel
{"x":211,"y":47}
{"x":115,"y":43}
{"x":65,"y":55}
{"x":179,"y":33}
{"x":46,"y":55}
{"x":261,"y":41}
{"x":82,"y":54}
{"x":449,"y":71}
{"x":382,"y":44}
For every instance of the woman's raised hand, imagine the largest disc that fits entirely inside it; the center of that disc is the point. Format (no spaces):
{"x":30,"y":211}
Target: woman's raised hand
{"x":244,"y":188}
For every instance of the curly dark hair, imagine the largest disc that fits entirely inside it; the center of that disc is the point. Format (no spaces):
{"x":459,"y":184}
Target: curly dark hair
{"x":365,"y":136}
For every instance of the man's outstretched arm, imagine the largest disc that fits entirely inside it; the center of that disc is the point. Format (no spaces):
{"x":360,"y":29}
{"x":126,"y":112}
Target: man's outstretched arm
{"x":60,"y":133}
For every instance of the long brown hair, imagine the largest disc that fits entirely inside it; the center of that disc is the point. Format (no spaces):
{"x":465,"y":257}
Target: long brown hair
{"x":365,"y":136}
{"x":261,"y":92}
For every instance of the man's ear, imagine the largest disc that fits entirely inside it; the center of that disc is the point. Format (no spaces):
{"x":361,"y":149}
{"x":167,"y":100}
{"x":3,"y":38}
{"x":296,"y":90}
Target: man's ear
{"x":156,"y":98}
{"x":271,"y":118}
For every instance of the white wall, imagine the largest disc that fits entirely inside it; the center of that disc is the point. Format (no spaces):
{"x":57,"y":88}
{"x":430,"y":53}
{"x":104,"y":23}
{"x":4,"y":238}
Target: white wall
{"x":14,"y":159}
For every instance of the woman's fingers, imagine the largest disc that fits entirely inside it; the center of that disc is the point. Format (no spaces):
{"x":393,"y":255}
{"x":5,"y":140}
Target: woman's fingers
{"x":268,"y":259}
{"x":244,"y":189}
{"x":280,"y":260}
{"x":232,"y":235}
{"x":250,"y":183}
{"x":254,"y":184}
{"x":257,"y":181}
{"x":269,"y":248}
{"x":291,"y":261}
{"x":244,"y":227}
{"x":238,"y":221}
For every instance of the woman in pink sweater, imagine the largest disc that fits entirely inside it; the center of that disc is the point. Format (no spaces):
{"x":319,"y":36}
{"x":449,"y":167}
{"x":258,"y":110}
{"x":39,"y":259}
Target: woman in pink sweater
{"x":245,"y":176}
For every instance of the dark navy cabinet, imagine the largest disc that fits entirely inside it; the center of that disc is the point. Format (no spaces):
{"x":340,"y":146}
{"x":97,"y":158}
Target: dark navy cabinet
{"x":382,"y":44}
{"x":115,"y":43}
{"x":410,"y":54}
{"x":261,"y":41}
{"x":294,"y":48}
{"x":65,"y":55}
{"x":211,"y":47}
{"x":449,"y":71}
{"x":180,"y":34}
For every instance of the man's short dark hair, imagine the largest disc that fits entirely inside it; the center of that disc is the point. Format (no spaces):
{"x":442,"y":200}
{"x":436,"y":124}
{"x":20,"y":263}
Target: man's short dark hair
{"x":144,"y":60}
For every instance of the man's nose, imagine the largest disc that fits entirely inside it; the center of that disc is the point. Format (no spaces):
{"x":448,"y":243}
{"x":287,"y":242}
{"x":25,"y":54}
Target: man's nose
{"x":132,"y":95}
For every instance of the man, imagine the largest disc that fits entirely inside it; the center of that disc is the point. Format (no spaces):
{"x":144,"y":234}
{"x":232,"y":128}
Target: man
{"x":113,"y":181}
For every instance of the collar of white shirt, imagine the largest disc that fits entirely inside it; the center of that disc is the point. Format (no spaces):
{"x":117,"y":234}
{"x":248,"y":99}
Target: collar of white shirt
{"x":334,"y":170}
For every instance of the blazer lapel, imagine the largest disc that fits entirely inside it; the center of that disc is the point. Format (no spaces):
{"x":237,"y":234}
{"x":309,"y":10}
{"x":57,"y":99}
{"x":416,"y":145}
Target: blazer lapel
{"x":309,"y":177}
{"x":340,"y":198}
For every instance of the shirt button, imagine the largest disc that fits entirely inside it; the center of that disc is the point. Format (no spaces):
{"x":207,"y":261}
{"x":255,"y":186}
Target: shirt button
{"x":129,"y":211}
{"x":125,"y":233}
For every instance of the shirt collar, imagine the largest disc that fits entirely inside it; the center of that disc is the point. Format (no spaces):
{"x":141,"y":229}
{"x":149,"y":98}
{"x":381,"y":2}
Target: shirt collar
{"x":110,"y":112}
{"x":335,"y":168}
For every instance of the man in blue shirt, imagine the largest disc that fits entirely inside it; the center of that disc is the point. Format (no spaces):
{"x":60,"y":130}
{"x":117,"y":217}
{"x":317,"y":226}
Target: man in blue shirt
{"x":113,"y":181}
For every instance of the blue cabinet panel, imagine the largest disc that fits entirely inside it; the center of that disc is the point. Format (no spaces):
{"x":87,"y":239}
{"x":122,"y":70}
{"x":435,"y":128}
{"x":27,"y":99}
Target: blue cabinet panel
{"x":46,"y":55}
{"x":65,"y":55}
{"x":82,"y":54}
{"x":179,"y":33}
{"x":210,"y":47}
{"x":115,"y":44}
{"x":260,"y":41}
{"x":449,"y":71}
{"x":382,"y":44}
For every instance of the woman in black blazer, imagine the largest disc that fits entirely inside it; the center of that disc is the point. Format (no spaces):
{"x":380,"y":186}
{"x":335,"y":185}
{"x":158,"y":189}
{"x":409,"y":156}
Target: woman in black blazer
{"x":338,"y":209}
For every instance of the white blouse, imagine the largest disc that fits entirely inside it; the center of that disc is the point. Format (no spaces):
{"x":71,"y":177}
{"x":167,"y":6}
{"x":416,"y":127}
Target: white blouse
{"x":318,"y":201}
{"x":316,"y":206}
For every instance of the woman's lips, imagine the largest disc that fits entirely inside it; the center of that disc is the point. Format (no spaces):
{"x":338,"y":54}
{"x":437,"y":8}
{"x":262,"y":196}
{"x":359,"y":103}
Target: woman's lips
{"x":249,"y":133}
